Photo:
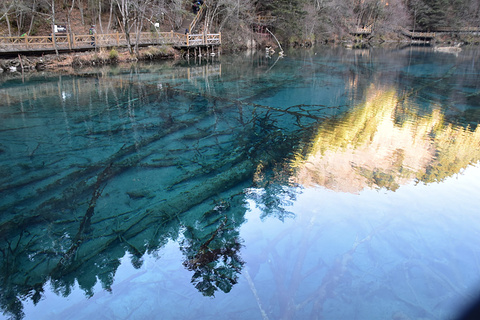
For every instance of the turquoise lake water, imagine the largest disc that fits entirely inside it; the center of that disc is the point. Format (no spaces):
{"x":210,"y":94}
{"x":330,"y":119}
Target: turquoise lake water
{"x":327,"y":184}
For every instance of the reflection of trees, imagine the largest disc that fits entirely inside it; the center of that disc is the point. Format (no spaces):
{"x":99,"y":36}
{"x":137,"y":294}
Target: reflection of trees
{"x":272,"y":191}
{"x":213,"y":257}
{"x":135,"y":174}
{"x":10,"y":300}
{"x":385,"y":142}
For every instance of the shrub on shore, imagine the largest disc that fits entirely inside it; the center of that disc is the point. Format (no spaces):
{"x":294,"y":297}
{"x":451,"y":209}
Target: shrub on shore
{"x":113,"y":54}
{"x":156,"y":52}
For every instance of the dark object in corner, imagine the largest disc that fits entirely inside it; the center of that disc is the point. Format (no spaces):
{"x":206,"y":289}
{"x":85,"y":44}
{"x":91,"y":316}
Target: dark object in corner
{"x":472,"y":312}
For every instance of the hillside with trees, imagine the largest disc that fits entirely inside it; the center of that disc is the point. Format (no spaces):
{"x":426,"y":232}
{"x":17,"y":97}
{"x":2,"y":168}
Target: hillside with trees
{"x":292,"y":21}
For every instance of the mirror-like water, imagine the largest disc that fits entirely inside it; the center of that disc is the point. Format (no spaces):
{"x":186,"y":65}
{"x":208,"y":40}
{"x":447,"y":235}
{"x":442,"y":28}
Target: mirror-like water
{"x":331,"y":184}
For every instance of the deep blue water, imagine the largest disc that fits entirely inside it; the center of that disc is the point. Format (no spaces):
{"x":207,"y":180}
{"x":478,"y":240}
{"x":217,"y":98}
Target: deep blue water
{"x":328,"y":184}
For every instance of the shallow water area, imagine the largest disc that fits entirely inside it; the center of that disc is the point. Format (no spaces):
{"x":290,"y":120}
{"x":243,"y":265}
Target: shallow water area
{"x":328,"y":184}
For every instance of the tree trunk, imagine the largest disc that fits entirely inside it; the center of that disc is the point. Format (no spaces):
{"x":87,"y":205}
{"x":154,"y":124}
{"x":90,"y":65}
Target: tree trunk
{"x":69,"y":30}
{"x":127,"y":35}
{"x":123,"y":7}
{"x":139,"y":25}
{"x":8,"y":20}
{"x":137,"y":38}
{"x":34,"y":10}
{"x":100,"y":16}
{"x":80,"y":8}
{"x":110,"y":17}
{"x":54,"y":37}
{"x":20,"y":20}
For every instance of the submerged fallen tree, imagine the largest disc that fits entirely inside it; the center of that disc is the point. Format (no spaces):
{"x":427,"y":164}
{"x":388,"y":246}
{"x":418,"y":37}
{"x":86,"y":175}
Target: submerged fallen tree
{"x":192,"y":170}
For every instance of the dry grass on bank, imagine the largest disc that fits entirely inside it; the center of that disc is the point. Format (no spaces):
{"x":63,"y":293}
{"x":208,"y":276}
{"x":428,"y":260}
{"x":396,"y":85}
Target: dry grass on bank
{"x":104,"y":56}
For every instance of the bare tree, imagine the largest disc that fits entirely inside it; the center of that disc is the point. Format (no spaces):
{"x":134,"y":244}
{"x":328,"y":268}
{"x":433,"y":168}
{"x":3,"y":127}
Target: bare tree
{"x":52,"y":6}
{"x":124,"y":7}
{"x":140,"y":8}
{"x":100,"y":16}
{"x":69,"y":16}
{"x":7,"y":7}
{"x":175,"y":13}
{"x":80,"y":8}
{"x":32,"y":18}
{"x":395,"y":15}
{"x":110,"y":16}
{"x":230,"y":14}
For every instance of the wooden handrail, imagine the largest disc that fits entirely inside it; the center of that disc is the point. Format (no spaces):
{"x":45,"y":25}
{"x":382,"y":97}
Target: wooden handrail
{"x":459,"y":29}
{"x":74,"y":41}
{"x":361,"y":30}
{"x":197,"y":18}
{"x":265,"y":19}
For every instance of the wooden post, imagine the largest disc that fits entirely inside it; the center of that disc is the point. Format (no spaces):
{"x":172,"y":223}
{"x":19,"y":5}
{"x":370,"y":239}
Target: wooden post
{"x":69,"y":43}
{"x":26,"y":40}
{"x":187,"y":39}
{"x":74,"y":44}
{"x":220,"y":37}
{"x":21,"y":63}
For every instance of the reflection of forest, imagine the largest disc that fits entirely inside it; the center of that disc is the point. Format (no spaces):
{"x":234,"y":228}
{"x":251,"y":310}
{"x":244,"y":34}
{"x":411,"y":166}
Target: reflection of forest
{"x":385,"y":142}
{"x":66,"y":85}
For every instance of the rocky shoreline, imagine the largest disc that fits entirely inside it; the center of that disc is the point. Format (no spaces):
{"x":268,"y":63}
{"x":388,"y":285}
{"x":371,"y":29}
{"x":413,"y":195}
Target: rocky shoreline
{"x":22,"y":63}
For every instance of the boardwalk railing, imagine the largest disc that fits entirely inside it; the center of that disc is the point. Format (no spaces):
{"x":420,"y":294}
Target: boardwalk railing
{"x":361,"y":30}
{"x":73,"y":42}
{"x":266,"y":20}
{"x":459,"y":29}
{"x":213,"y":38}
{"x":197,"y":18}
{"x":417,"y":35}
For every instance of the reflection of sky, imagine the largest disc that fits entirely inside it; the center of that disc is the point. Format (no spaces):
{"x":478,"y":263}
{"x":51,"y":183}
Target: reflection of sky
{"x":421,"y":247}
{"x":377,"y":254}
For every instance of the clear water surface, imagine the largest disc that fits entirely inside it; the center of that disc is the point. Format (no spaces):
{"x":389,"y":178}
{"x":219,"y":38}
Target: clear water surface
{"x":330,"y":184}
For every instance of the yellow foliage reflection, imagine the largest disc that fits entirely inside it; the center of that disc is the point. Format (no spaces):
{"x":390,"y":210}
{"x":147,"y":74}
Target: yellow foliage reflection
{"x":385,"y":142}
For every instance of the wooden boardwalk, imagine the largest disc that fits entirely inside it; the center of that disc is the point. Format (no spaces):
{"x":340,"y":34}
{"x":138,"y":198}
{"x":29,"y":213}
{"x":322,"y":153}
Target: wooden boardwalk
{"x":365,"y":31}
{"x":459,"y":30}
{"x":73,"y":42}
{"x":361,"y":30}
{"x":418,"y":35}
